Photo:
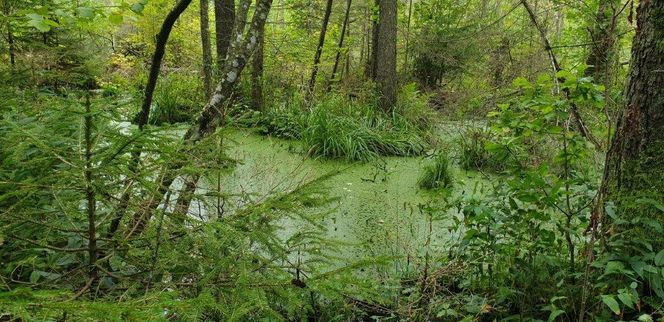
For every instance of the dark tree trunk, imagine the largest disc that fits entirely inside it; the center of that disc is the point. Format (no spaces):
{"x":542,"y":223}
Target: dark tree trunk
{"x":257,"y":72}
{"x":160,"y":49}
{"x":144,"y":115}
{"x":386,"y":55}
{"x":10,"y":35}
{"x":370,"y":71}
{"x":207,"y":50}
{"x":319,"y":49}
{"x":635,"y":162}
{"x":603,"y":36}
{"x":341,"y":41}
{"x":224,"y":18}
{"x":206,"y":123}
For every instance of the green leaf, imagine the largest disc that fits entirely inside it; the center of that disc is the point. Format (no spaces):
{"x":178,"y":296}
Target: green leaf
{"x":39,"y":25}
{"x":659,"y":258}
{"x":626,"y":299}
{"x":554,"y":314}
{"x":85,"y":12}
{"x":34,"y":276}
{"x":115,"y":18}
{"x":645,"y":318}
{"x":611,"y":302}
{"x":137,"y":7}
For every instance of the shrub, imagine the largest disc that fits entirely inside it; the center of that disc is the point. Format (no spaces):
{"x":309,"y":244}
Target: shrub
{"x":177,"y":98}
{"x":338,"y":129}
{"x":436,"y":174}
{"x":474,"y":154}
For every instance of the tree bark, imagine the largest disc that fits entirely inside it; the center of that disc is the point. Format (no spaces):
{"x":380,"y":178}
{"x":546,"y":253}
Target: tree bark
{"x":257,"y":72}
{"x":386,"y":55}
{"x":319,"y":49}
{"x":341,"y":42}
{"x":370,"y":71}
{"x":635,"y":163}
{"x":91,"y":200}
{"x":207,"y":50}
{"x":224,"y":18}
{"x":10,"y":36}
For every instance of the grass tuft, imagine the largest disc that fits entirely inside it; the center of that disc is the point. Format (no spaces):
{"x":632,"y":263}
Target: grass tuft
{"x":436,"y":174}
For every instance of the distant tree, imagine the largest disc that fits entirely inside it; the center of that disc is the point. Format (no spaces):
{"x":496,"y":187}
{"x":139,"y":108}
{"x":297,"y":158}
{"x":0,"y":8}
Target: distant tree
{"x":319,"y":48}
{"x":207,"y":50}
{"x":386,"y":54}
{"x":257,"y":71}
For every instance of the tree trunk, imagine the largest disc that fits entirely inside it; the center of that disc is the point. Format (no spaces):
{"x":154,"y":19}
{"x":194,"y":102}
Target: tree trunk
{"x":10,"y":35}
{"x":224,"y":18}
{"x":370,"y":71}
{"x":319,"y":49}
{"x":603,"y":38}
{"x":239,"y":52}
{"x":257,"y":72}
{"x":386,"y":54}
{"x":341,"y":42}
{"x":144,"y":115}
{"x":207,"y":50}
{"x":635,"y":163}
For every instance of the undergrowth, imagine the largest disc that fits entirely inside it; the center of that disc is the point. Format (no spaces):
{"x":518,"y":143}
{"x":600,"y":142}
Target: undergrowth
{"x":436,"y":174}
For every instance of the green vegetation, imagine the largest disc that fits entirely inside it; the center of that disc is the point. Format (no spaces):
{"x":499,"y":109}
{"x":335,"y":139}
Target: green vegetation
{"x":436,"y":174}
{"x":430,"y":160}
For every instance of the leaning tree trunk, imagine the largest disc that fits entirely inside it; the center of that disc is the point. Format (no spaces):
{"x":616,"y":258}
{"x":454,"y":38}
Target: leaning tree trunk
{"x":574,"y":111}
{"x":224,"y":18}
{"x":319,"y":49}
{"x":635,"y":162}
{"x":257,"y":72}
{"x":241,"y":48}
{"x":207,"y":51}
{"x":386,"y":55}
{"x":341,"y":43}
{"x":144,"y":114}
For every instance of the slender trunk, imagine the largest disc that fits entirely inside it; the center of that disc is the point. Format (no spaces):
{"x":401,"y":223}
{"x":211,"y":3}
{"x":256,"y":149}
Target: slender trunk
{"x":410,"y":13}
{"x":386,"y":54}
{"x":603,"y":38}
{"x":341,"y":42}
{"x":91,"y":201}
{"x":319,"y":49}
{"x":370,"y":71}
{"x":207,"y":50}
{"x":10,"y":35}
{"x":143,"y":116}
{"x":239,"y":52}
{"x":581,"y":126}
{"x":224,"y":18}
{"x":257,"y":72}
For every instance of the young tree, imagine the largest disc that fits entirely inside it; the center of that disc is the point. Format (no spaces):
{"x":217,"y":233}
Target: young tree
{"x":319,"y":49}
{"x":207,"y":51}
{"x":386,"y":54}
{"x":257,"y":71}
{"x":341,"y":42}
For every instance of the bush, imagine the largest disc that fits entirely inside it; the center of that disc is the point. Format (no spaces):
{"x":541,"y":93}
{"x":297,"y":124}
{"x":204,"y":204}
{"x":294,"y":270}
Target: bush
{"x":177,"y":98}
{"x":339,"y":129}
{"x":436,"y":174}
{"x":474,"y":155}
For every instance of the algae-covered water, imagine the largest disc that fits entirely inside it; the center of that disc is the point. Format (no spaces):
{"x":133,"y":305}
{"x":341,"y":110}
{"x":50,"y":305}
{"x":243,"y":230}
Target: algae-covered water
{"x":377,"y":207}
